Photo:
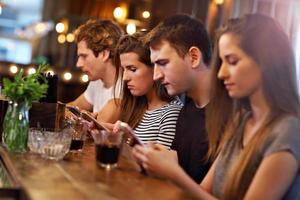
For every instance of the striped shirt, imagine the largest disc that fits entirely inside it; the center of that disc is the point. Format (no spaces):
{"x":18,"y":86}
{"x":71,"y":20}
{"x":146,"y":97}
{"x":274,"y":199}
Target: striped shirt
{"x":159,"y":125}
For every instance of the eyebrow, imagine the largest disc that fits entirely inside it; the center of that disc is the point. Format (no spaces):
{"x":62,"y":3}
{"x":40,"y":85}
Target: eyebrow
{"x":128,"y":66}
{"x":231,"y":55}
{"x":81,"y":54}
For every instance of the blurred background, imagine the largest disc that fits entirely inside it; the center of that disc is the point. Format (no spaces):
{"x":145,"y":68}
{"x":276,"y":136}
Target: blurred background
{"x":36,"y":31}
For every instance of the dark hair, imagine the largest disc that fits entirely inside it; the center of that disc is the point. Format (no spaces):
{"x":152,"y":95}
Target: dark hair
{"x":99,"y":35}
{"x":261,"y":38}
{"x":182,"y":32}
{"x":132,"y":108}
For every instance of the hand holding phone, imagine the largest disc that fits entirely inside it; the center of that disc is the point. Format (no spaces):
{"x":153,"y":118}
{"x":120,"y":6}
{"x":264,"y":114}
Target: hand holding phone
{"x":132,"y":137}
{"x":74,"y":110}
{"x":87,"y":116}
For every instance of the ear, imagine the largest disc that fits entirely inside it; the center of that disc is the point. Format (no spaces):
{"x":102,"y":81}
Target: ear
{"x":195,"y":56}
{"x":105,"y":55}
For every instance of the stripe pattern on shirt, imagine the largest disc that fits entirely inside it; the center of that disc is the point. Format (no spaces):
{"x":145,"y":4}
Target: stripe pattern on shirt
{"x":159,"y":125}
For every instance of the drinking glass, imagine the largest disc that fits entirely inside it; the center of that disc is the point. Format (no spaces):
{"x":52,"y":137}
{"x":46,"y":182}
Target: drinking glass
{"x":78,"y":136}
{"x":108,"y":147}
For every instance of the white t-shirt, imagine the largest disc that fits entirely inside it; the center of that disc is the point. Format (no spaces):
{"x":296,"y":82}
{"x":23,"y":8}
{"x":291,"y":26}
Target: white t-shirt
{"x":97,"y":95}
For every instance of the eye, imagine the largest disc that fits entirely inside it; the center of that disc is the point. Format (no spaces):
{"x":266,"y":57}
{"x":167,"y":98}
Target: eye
{"x":232,"y":60}
{"x":162,"y":63}
{"x":133,"y":69}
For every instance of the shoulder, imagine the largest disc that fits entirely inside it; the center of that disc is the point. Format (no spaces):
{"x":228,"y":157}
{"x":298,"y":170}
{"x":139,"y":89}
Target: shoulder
{"x":174,"y":105}
{"x":171,"y":110}
{"x":285,"y":136}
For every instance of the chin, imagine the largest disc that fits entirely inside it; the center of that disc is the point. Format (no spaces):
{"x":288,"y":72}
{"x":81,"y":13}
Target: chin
{"x":172,"y":92}
{"x":235,"y":96}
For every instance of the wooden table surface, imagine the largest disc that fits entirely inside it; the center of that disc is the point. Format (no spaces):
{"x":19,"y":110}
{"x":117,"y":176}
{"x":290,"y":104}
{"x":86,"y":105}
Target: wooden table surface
{"x":78,"y":177}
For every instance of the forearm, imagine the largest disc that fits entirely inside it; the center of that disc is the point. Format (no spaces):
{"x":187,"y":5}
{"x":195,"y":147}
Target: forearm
{"x":82,"y":103}
{"x":187,"y":184}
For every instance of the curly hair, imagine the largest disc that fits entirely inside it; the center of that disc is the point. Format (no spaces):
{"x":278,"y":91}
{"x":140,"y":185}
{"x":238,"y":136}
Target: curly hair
{"x":99,"y":35}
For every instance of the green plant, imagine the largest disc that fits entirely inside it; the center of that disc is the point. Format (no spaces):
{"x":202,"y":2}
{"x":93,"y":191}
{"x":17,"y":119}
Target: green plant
{"x":26,"y":88}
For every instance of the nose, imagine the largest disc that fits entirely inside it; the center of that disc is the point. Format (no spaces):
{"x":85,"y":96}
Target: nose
{"x":157,"y":74}
{"x":79,"y":63}
{"x":126,"y":76}
{"x":223,"y":72}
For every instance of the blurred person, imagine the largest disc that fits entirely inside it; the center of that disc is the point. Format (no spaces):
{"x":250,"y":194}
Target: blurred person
{"x":96,"y":41}
{"x":254,"y":112}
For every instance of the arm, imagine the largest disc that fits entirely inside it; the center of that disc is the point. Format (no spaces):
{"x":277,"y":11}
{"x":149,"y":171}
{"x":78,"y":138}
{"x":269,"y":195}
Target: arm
{"x":273,"y":177}
{"x":163,"y":163}
{"x":110,"y":113}
{"x":82,"y":103}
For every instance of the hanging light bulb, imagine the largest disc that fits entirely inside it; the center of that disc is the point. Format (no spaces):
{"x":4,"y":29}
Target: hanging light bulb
{"x":146,"y":14}
{"x":31,"y":70}
{"x":131,"y":28}
{"x":219,"y":2}
{"x":67,"y":76}
{"x":13,"y":69}
{"x":84,"y":78}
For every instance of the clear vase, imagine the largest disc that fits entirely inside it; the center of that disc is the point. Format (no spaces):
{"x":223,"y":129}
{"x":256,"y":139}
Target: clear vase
{"x":16,"y":126}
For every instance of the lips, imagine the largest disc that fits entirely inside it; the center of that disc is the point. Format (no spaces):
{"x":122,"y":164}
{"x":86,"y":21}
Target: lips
{"x":229,"y":85}
{"x":130,"y":87}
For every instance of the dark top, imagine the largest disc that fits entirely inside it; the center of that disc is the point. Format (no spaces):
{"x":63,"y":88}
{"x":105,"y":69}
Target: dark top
{"x":191,"y":141}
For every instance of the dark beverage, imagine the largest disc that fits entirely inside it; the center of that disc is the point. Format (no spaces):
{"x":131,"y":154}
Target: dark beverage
{"x":107,"y":154}
{"x":76,"y":144}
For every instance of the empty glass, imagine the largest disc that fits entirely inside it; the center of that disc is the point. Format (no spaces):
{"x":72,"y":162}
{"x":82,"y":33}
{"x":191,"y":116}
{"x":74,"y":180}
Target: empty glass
{"x":50,"y":143}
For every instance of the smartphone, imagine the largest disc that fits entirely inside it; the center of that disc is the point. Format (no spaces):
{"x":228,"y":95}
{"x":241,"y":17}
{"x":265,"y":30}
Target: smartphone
{"x":90,"y":118}
{"x":132,"y":137}
{"x":74,"y":110}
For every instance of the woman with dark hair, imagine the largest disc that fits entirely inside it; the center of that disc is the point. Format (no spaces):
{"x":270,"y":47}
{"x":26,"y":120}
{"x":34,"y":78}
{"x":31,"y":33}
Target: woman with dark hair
{"x":255,"y":105}
{"x":145,"y":104}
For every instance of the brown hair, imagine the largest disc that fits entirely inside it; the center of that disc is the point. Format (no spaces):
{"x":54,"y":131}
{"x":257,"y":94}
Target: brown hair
{"x":264,"y":41}
{"x":99,"y":35}
{"x":182,"y":32}
{"x":133,"y":107}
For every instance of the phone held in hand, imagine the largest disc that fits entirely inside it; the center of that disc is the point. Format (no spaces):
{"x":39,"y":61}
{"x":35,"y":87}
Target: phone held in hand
{"x":74,"y":110}
{"x":87,"y":116}
{"x":132,"y":137}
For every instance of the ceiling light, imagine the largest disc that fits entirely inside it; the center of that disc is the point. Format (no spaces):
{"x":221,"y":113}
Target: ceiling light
{"x":84,"y":78}
{"x":67,"y":76}
{"x":13,"y":69}
{"x":146,"y":14}
{"x":31,"y":70}
{"x":61,"y":38}
{"x":60,"y":27}
{"x":70,"y":37}
{"x":131,"y":28}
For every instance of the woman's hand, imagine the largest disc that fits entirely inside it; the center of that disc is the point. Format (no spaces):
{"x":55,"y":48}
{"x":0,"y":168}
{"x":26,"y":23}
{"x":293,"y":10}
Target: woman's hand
{"x":157,"y":159}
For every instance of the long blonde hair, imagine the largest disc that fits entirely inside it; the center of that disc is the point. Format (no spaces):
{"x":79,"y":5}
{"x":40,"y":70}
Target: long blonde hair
{"x":265,"y":42}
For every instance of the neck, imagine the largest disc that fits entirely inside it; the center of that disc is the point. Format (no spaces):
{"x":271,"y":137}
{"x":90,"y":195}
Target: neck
{"x":259,"y":107}
{"x":109,"y":75}
{"x":154,"y":101}
{"x":200,"y":92}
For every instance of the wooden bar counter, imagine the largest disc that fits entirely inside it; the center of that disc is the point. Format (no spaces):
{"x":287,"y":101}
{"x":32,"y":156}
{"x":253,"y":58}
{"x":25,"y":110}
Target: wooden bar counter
{"x":78,"y":177}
